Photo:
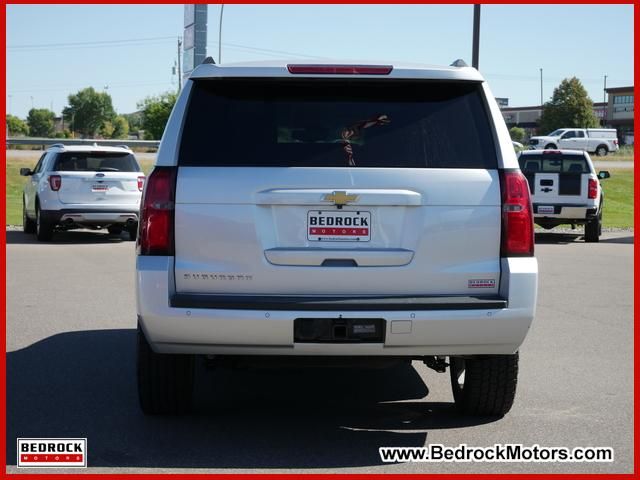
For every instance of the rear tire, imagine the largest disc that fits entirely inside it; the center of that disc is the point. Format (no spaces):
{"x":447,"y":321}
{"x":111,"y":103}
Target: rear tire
{"x":44,"y":228}
{"x":602,"y":151}
{"x":485,"y":385}
{"x":165,"y":382}
{"x":593,"y":229}
{"x":28,"y":225}
{"x":551,"y":146}
{"x":133,"y":232}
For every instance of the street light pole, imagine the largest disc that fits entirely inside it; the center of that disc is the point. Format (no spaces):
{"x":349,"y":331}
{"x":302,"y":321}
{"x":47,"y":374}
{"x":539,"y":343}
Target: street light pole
{"x":476,"y":37}
{"x":220,"y":35}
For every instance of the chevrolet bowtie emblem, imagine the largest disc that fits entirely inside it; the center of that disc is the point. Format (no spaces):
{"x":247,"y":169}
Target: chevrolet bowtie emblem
{"x":340,"y":198}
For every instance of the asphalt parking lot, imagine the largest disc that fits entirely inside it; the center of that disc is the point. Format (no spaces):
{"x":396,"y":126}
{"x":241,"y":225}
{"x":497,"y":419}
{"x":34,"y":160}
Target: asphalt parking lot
{"x":70,"y":373}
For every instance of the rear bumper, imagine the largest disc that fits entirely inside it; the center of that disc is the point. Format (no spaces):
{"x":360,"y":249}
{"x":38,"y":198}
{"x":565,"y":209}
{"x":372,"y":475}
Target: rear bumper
{"x":565,"y":212}
{"x":91,"y":216}
{"x":263,"y":329}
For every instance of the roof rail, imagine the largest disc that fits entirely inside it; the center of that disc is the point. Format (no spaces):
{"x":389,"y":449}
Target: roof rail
{"x":127,"y":147}
{"x":57,"y":145}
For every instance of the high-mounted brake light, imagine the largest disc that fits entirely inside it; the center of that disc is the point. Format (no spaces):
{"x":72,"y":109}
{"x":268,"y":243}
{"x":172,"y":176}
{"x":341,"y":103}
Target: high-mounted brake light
{"x":140,"y":183}
{"x":157,"y":213}
{"x":340,"y":69}
{"x":593,"y":188}
{"x":517,"y":215}
{"x":55,"y":182}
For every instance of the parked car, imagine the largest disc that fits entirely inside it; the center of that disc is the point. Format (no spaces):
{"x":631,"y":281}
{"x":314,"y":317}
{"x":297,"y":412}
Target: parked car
{"x":600,"y":141}
{"x":82,"y":187}
{"x":335,"y":213}
{"x":565,"y":189}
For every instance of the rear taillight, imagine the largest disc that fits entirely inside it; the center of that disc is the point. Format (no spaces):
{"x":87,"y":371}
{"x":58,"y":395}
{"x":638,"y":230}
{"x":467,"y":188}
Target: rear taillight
{"x":140,"y":183}
{"x":593,"y":188}
{"x":55,"y":182}
{"x":340,"y":69}
{"x":517,"y":215}
{"x":615,"y":141}
{"x":156,"y":215}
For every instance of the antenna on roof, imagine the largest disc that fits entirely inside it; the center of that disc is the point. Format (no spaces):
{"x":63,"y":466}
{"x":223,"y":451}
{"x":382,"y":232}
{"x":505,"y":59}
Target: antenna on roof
{"x":459,"y":63}
{"x":208,"y":60}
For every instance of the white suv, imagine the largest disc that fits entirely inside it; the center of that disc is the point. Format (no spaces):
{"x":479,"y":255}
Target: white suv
{"x":82,"y":186}
{"x":565,"y":189}
{"x":335,"y":213}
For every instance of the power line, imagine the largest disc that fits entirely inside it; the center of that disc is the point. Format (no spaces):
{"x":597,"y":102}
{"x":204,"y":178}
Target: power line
{"x":88,"y":44}
{"x":266,"y":51}
{"x":71,"y":88}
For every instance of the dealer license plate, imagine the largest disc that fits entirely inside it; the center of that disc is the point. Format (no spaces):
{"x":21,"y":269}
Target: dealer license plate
{"x":338,"y":226}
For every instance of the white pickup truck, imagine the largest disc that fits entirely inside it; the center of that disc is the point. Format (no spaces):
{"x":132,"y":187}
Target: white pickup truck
{"x":600,"y":141}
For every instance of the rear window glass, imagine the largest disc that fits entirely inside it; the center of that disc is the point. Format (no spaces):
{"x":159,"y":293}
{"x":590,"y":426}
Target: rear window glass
{"x":337,"y":124}
{"x":555,"y":163}
{"x":95,"y":162}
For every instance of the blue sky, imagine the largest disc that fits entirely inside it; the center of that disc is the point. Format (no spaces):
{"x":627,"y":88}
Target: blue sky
{"x":54,"y":50}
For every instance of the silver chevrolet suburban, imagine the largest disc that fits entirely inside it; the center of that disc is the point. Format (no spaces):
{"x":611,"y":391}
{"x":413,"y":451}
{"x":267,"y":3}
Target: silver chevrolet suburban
{"x":335,"y":212}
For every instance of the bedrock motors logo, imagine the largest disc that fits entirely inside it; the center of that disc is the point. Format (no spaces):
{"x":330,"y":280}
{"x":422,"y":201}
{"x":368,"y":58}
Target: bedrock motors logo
{"x":52,"y":452}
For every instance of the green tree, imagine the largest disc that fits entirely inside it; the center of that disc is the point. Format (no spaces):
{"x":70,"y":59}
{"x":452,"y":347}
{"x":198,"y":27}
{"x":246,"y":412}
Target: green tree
{"x":517,"y":134}
{"x":88,"y":111}
{"x":106,"y":129}
{"x":155,"y":113}
{"x":40,"y":121}
{"x":570,"y":107}
{"x":120,"y":127}
{"x":134,"y":119}
{"x":17,"y":126}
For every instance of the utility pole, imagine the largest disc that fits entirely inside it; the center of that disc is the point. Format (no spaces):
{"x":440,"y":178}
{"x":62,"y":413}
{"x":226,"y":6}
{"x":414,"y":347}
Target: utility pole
{"x":541,"y":95}
{"x":179,"y":64}
{"x":220,"y":35}
{"x":476,"y":36}
{"x":605,"y":113}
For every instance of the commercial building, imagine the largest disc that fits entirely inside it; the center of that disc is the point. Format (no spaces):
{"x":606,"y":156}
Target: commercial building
{"x":620,"y":112}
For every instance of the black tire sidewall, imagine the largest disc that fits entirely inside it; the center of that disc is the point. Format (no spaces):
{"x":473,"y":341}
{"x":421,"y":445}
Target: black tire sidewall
{"x":44,"y":229}
{"x":489,"y":385}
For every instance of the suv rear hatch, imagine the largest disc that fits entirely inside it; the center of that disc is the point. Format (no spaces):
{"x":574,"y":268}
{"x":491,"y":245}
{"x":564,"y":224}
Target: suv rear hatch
{"x":107,"y":178}
{"x":337,"y":187}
